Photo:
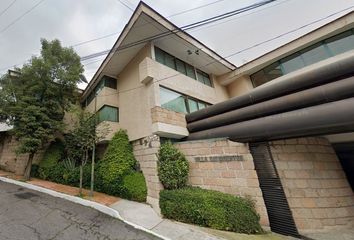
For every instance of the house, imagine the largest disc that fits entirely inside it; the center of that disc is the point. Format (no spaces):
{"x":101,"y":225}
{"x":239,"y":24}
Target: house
{"x":159,"y":83}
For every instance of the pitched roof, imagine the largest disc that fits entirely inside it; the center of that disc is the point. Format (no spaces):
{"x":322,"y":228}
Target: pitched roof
{"x":147,"y":25}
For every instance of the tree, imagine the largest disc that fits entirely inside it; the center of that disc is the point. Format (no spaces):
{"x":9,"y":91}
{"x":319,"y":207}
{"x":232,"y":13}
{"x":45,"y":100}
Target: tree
{"x":35,"y":100}
{"x":82,"y":137}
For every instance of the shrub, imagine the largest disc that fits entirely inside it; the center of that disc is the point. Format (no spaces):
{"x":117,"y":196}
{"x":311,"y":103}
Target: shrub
{"x":210,"y":209}
{"x":51,"y":157}
{"x":173,"y":167}
{"x":117,"y":161}
{"x":34,"y":170}
{"x":134,"y":187}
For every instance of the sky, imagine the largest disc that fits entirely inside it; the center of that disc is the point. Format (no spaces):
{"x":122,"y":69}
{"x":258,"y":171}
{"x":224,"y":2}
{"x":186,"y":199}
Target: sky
{"x":74,"y":22}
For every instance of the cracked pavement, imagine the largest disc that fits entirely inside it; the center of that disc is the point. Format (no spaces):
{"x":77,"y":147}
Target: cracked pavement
{"x":31,"y":215}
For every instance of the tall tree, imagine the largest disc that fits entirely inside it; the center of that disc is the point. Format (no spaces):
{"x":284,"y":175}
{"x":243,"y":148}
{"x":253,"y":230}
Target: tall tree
{"x":34,"y":101}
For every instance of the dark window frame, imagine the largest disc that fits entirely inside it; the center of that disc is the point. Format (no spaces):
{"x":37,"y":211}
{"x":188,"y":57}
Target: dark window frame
{"x":186,"y":98}
{"x":300,"y":53}
{"x":100,"y":109}
{"x":157,"y":49}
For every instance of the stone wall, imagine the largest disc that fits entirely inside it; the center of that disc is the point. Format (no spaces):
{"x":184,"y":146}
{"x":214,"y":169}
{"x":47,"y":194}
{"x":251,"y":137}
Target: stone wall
{"x":145,"y":151}
{"x":9,"y":160}
{"x":225,"y":166}
{"x":159,"y":114}
{"x":316,"y":187}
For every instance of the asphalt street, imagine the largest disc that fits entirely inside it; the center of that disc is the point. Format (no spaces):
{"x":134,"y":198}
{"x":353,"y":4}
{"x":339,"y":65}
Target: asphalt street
{"x":30,"y":215}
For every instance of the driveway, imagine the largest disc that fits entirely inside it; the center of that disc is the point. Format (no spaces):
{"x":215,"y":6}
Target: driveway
{"x":30,"y":215}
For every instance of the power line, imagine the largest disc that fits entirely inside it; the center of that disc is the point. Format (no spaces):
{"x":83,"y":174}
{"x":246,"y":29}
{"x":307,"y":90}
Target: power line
{"x":144,"y":24}
{"x":21,"y":16}
{"x":115,"y":33}
{"x":7,"y":8}
{"x":286,"y":33}
{"x":244,"y":15}
{"x":126,"y":5}
{"x":177,"y":74}
{"x":181,"y":29}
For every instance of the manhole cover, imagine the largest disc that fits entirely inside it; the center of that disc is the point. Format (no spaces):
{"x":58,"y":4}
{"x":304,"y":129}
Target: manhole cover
{"x":26,"y":195}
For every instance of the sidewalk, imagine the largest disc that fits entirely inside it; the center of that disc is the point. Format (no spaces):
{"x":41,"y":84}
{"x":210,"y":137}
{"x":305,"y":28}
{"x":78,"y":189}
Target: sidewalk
{"x":144,"y":216}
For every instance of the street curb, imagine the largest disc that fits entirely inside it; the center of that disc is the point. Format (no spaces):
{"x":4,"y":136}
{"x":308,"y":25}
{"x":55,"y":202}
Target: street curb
{"x":99,"y":207}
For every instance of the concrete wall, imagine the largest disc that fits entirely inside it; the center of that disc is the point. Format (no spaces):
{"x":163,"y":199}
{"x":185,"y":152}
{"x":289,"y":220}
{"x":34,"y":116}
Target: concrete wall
{"x":316,"y":187}
{"x":9,"y":160}
{"x":225,"y":166}
{"x":239,"y":87}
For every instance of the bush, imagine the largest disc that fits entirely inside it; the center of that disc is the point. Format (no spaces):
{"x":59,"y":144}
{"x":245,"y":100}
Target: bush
{"x":34,"y":170}
{"x":210,"y":209}
{"x":51,"y":157}
{"x":117,"y":161}
{"x":134,"y":187}
{"x":173,"y":167}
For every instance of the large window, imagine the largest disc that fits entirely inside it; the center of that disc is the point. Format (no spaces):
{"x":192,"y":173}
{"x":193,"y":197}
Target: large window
{"x":180,"y":103}
{"x":338,"y":44}
{"x":104,"y":82}
{"x":108,"y":113}
{"x":182,"y":67}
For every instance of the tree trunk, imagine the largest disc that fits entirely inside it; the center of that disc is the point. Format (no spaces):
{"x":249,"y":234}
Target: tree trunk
{"x":81,"y":171}
{"x":27,"y":174}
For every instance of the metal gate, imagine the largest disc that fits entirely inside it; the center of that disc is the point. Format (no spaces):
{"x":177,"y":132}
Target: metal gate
{"x":280,"y":217}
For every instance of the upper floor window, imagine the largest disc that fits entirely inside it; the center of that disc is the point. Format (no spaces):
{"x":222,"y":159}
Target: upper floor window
{"x":179,"y":102}
{"x":104,"y":82}
{"x":332,"y":46}
{"x":182,"y":67}
{"x":108,"y":113}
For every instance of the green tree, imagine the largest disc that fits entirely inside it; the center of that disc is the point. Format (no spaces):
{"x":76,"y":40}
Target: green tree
{"x":35,"y":100}
{"x":82,"y":137}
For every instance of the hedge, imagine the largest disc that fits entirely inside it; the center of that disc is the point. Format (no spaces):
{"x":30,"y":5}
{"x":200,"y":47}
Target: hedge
{"x":117,"y":162}
{"x":51,"y":157}
{"x":210,"y":208}
{"x":173,"y":167}
{"x":115,"y":174}
{"x":134,"y":187}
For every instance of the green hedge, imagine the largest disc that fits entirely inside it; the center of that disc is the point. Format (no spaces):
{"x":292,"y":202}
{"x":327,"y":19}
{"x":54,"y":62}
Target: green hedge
{"x":115,"y":174}
{"x":173,"y":167}
{"x":117,"y":162}
{"x":210,"y":209}
{"x":50,"y":160}
{"x":134,"y":187}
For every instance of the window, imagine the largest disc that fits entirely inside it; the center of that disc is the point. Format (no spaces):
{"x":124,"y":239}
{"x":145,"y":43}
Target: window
{"x":315,"y":54}
{"x":190,"y":71}
{"x":193,"y":105}
{"x":292,"y":63}
{"x":332,"y":46}
{"x":273,"y":71}
{"x":341,"y":43}
{"x":178,"y":102}
{"x":203,"y":78}
{"x":108,"y":113}
{"x":181,"y":66}
{"x":109,"y":82}
{"x":104,"y":82}
{"x":172,"y":100}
